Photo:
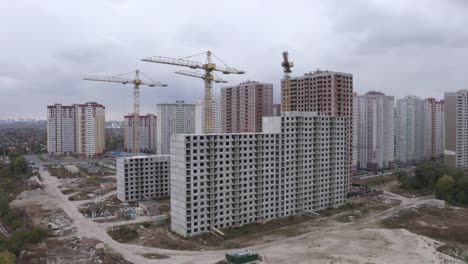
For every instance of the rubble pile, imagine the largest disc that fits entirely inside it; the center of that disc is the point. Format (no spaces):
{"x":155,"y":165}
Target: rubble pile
{"x":71,"y":250}
{"x":59,"y":224}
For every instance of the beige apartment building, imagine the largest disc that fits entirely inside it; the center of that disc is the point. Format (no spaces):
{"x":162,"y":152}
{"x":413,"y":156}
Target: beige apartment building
{"x":437,"y":128}
{"x":76,"y":129}
{"x":147,"y":125}
{"x":243,"y":106}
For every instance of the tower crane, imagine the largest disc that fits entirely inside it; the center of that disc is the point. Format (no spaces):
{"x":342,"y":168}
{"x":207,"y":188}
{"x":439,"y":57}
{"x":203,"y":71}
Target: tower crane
{"x":136,"y":81}
{"x":207,"y":76}
{"x":285,"y":98}
{"x":287,"y":65}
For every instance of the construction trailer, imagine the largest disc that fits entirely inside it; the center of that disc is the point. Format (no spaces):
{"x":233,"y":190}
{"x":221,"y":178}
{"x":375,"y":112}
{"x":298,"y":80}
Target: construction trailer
{"x":241,"y":257}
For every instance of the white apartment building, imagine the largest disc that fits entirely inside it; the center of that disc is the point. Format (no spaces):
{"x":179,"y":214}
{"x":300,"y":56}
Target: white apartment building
{"x":147,"y":125}
{"x":376,"y":118}
{"x":412,"y":130}
{"x":297,"y":164}
{"x":456,"y":129}
{"x":354,"y":162}
{"x":77,"y":129}
{"x":142,"y":177}
{"x":215,"y":115}
{"x":173,"y":118}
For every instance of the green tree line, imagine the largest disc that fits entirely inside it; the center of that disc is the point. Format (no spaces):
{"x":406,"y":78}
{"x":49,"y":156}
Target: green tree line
{"x":449,"y":184}
{"x":22,"y":232}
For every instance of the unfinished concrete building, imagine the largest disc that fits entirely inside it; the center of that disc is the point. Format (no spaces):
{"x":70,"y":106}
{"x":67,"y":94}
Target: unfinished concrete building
{"x":299,"y":163}
{"x":143,"y":177}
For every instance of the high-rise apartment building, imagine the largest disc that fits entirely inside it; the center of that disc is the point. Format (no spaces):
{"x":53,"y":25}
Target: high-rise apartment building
{"x":276,"y":110}
{"x":437,"y":127}
{"x":354,"y":162}
{"x":456,"y":129}
{"x":147,"y":124}
{"x":326,"y":92}
{"x":61,"y":130}
{"x":412,"y":130}
{"x":173,"y":118}
{"x":215,"y":115}
{"x":77,"y":129}
{"x":298,"y":164}
{"x":143,"y":177}
{"x":244,"y":105}
{"x":376,"y":131}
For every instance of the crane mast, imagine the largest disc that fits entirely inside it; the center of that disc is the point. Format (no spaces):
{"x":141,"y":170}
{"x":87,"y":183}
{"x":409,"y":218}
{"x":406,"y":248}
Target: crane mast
{"x":136,"y":81}
{"x":208,"y":67}
{"x":136,"y":114}
{"x":285,"y":97}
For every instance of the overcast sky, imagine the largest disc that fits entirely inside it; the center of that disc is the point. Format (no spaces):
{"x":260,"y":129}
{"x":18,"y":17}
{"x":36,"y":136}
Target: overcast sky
{"x":399,"y":47}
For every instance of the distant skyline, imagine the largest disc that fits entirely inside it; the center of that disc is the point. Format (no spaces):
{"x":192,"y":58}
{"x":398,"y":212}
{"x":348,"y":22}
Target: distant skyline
{"x":397,"y":47}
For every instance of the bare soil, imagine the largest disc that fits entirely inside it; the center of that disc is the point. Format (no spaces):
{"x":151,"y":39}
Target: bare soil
{"x":448,"y":225}
{"x":69,"y":250}
{"x":259,"y":233}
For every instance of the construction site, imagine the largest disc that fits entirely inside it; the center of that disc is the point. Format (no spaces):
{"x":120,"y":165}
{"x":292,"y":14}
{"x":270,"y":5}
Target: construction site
{"x":372,"y":227}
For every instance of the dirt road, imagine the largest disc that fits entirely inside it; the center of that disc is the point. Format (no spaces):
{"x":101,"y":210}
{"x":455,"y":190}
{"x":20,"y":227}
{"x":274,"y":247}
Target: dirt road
{"x":351,"y":242}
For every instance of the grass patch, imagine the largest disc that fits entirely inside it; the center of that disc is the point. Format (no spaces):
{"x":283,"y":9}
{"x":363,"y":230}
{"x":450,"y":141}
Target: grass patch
{"x":124,"y":234}
{"x":444,"y":224}
{"x":377,"y":180}
{"x":234,"y":232}
{"x":343,"y":208}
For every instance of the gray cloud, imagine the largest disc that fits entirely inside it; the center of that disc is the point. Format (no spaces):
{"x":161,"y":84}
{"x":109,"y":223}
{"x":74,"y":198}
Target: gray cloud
{"x":398,"y":47}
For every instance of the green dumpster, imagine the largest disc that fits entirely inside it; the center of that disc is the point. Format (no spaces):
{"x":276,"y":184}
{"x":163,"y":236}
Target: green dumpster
{"x":241,"y":257}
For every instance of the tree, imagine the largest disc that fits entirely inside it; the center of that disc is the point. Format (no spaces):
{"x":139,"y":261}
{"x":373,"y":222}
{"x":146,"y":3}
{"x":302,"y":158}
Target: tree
{"x":462,"y":190}
{"x":4,"y":204}
{"x":445,"y":188}
{"x":7,"y":257}
{"x":403,"y":179}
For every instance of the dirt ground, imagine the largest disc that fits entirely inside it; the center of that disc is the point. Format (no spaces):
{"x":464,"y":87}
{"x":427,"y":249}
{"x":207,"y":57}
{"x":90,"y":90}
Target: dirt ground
{"x":80,"y":189}
{"x":61,"y":246}
{"x":260,"y":233}
{"x":345,"y":235}
{"x":70,"y":250}
{"x":447,"y":224}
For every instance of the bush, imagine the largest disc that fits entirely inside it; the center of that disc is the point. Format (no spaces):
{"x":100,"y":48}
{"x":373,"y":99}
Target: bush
{"x":7,"y":257}
{"x":449,"y":184}
{"x":124,"y":234}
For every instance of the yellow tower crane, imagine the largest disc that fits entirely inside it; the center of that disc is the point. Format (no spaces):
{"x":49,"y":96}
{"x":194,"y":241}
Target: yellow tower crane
{"x":208,"y":67}
{"x":136,"y":81}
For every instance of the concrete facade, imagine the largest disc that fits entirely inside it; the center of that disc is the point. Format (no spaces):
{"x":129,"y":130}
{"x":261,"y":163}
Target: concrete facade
{"x":354,"y":163}
{"x":148,"y":133}
{"x":376,"y":139}
{"x":413,"y":127}
{"x":276,"y":110}
{"x":76,"y":129}
{"x":456,"y":129}
{"x":215,"y":115}
{"x":142,"y":177}
{"x":173,"y":118}
{"x":437,"y":127}
{"x":297,"y":164}
{"x":326,"y":92}
{"x":243,"y":106}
